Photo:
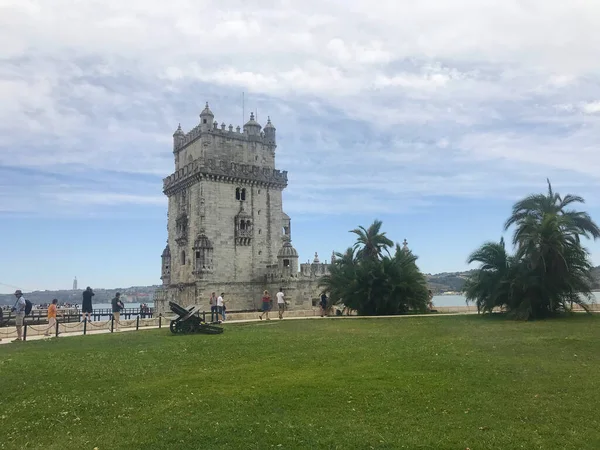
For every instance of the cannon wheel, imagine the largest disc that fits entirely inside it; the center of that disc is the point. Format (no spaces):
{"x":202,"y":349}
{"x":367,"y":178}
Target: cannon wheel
{"x":174,"y":327}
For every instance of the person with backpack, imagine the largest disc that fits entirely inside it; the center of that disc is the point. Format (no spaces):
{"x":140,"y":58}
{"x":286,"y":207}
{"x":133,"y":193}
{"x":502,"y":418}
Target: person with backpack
{"x":117,"y":306}
{"x":20,"y":310}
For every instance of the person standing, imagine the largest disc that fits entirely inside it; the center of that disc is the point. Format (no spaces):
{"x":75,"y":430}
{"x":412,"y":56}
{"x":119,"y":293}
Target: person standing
{"x":86,"y":306}
{"x":220,"y":303}
{"x":280,"y":302}
{"x":51,"y":317}
{"x":323,"y":304}
{"x":19,"y":310}
{"x":266,"y":305}
{"x":117,"y":306}
{"x":213,"y":307}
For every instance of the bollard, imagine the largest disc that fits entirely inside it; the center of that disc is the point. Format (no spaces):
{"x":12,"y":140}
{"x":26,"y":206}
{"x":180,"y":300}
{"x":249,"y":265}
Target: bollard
{"x":137,"y":323}
{"x":85,"y":327}
{"x":159,"y":320}
{"x":112,"y":322}
{"x":57,"y":327}
{"x":24,"y":330}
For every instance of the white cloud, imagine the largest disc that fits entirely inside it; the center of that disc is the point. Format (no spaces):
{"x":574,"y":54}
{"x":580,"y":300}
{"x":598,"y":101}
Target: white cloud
{"x":419,"y":99}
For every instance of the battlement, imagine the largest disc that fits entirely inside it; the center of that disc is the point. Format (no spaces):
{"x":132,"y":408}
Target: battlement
{"x":225,"y":171}
{"x":251,"y":131}
{"x":307,"y":271}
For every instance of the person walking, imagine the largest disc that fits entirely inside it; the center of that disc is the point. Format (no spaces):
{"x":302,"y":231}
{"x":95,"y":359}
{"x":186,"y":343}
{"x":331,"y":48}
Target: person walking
{"x":19,"y":310}
{"x":280,"y":302}
{"x":323,"y":304}
{"x":266,"y":305}
{"x":86,"y":306}
{"x":220,"y":303}
{"x":117,"y":306}
{"x":213,"y":307}
{"x":51,"y":317}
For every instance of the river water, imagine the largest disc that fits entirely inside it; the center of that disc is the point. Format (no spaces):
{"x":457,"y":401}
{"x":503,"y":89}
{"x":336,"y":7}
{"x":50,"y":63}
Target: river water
{"x":438,"y":300}
{"x":459,"y":300}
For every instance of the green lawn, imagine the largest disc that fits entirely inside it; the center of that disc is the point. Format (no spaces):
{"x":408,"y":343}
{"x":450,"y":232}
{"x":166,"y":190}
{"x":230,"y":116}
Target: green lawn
{"x":437,"y":382}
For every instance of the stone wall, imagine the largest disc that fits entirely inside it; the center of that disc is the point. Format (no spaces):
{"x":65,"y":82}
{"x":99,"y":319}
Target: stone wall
{"x":299,"y":294}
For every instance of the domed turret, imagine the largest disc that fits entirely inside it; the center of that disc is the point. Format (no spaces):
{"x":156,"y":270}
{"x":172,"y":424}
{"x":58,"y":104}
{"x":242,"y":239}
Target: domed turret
{"x":178,"y":137}
{"x":252,"y":127}
{"x":287,"y":259}
{"x":270,"y":132}
{"x":206,"y":118}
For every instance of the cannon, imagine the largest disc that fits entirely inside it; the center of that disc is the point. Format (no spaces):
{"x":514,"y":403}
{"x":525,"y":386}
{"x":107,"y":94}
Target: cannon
{"x":188,"y":321}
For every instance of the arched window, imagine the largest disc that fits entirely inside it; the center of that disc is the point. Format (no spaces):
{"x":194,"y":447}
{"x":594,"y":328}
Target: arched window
{"x":286,"y":263}
{"x":242,"y":225}
{"x":244,"y":194}
{"x":248,"y":225}
{"x":183,"y":257}
{"x":238,"y":195}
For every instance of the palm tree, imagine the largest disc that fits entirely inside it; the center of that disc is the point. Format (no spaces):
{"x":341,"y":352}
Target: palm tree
{"x":366,"y":280}
{"x":489,"y":286}
{"x":550,"y":268}
{"x":535,"y":207}
{"x":371,"y":242}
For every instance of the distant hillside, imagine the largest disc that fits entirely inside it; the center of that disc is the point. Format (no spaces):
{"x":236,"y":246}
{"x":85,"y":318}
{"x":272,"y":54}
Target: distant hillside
{"x":447,"y":281}
{"x":438,"y":283}
{"x":454,"y":281}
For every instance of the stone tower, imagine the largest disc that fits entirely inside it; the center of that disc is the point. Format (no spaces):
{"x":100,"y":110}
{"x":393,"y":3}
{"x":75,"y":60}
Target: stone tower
{"x":226,"y":226}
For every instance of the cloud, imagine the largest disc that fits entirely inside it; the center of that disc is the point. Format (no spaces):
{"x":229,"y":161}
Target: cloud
{"x":418,"y":101}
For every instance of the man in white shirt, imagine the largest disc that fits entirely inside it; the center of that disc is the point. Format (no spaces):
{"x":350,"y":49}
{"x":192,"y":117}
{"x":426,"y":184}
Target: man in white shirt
{"x":19,"y":310}
{"x":220,"y":305}
{"x":280,"y":302}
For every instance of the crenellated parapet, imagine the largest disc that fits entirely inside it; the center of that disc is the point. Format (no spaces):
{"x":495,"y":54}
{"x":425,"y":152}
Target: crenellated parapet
{"x":226,"y":171}
{"x":251,"y":133}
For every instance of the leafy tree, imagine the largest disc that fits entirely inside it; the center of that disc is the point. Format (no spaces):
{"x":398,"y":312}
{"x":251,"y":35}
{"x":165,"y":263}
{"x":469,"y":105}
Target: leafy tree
{"x":550,"y":269}
{"x":367,"y":278}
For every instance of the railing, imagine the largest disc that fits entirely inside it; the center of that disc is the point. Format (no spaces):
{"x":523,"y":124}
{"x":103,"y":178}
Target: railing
{"x":40,"y":316}
{"x":85,"y":327}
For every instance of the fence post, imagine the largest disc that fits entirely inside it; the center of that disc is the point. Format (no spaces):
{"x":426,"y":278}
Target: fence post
{"x":112,"y":322}
{"x":85,"y":327}
{"x":159,"y":320}
{"x":57,"y":327}
{"x":137,"y":323}
{"x":203,"y":316}
{"x":24,"y":330}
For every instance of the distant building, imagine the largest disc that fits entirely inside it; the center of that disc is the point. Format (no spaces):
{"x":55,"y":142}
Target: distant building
{"x":227,"y":231}
{"x":75,"y":284}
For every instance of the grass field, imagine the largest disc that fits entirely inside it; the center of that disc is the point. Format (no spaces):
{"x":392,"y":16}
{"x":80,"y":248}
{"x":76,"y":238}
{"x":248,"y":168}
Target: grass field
{"x":441,"y":382}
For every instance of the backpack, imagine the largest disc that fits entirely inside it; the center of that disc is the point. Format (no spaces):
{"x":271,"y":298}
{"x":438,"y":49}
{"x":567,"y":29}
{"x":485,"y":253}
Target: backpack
{"x":28,"y":306}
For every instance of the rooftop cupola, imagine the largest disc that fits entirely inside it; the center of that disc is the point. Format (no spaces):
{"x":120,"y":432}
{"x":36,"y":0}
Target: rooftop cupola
{"x":206,"y":118}
{"x":270,"y":132}
{"x":252,"y":127}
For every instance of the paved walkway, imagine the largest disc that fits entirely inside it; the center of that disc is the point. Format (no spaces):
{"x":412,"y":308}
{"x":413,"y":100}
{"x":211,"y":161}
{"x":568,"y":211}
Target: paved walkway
{"x":8,"y":340}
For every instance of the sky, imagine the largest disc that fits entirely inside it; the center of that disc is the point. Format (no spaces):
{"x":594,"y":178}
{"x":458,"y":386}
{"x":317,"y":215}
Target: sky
{"x":434,"y":117}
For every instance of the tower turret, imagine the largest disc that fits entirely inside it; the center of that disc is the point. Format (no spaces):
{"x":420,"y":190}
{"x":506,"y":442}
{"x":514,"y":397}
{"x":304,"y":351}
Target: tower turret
{"x":206,"y":119}
{"x":252,"y":127}
{"x":178,"y":138}
{"x":270,"y":132}
{"x":287,"y":259}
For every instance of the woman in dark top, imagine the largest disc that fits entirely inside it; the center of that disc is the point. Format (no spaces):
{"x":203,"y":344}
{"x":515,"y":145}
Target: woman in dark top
{"x":86,"y":307}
